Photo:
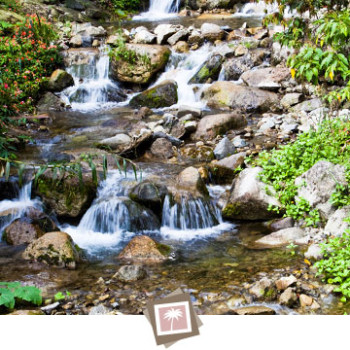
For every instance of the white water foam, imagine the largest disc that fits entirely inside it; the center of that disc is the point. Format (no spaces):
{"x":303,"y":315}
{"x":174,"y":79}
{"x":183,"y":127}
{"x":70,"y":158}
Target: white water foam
{"x":160,"y":9}
{"x":91,"y":84}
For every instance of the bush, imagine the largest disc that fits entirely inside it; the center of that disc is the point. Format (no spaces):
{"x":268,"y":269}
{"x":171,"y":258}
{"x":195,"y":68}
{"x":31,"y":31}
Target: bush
{"x":335,"y":266}
{"x":27,"y":59}
{"x":12,"y":292}
{"x":281,"y":167}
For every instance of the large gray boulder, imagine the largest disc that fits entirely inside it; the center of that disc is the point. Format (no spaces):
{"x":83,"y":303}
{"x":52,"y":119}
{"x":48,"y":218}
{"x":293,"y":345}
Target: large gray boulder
{"x":250,"y":198}
{"x":165,"y":31}
{"x":159,"y":96}
{"x":266,"y":78}
{"x":336,"y":225}
{"x":227,"y":94}
{"x":212,"y":125}
{"x":236,"y":66}
{"x":282,"y":238}
{"x":212,"y":32}
{"x":149,"y":60}
{"x":317,"y":185}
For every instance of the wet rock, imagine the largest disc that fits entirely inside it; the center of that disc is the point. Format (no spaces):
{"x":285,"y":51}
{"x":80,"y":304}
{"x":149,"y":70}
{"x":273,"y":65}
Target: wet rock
{"x":236,"y":66}
{"x":80,"y":57}
{"x":285,"y":282}
{"x":314,"y":252}
{"x":76,"y":41}
{"x":317,"y":185}
{"x":117,"y":142}
{"x":99,"y":310}
{"x":224,"y":149}
{"x":144,"y":37}
{"x":88,"y":30}
{"x":60,"y":80}
{"x":140,"y":71}
{"x":227,"y":94}
{"x":282,"y":238}
{"x":50,"y":102}
{"x":54,"y":248}
{"x":255,"y":310}
{"x":182,"y":34}
{"x":249,"y":200}
{"x":291,"y":99}
{"x":282,"y":224}
{"x":199,"y":153}
{"x":178,"y":130}
{"x":31,"y":226}
{"x":288,"y":297}
{"x":77,"y":5}
{"x":305,"y":300}
{"x":336,"y":225}
{"x":195,"y":38}
{"x":266,"y":78}
{"x":159,"y":96}
{"x":280,"y":53}
{"x":238,"y":142}
{"x":145,"y":250}
{"x":260,"y":288}
{"x":9,"y":189}
{"x":162,"y":149}
{"x":130,"y":273}
{"x":165,"y":31}
{"x":191,"y":181}
{"x":64,"y":195}
{"x":149,"y":194}
{"x":307,"y":106}
{"x":213,"y":125}
{"x":186,"y":110}
{"x":181,"y":47}
{"x":50,"y":307}
{"x":223,"y":171}
{"x":209,"y":70}
{"x":212,"y":32}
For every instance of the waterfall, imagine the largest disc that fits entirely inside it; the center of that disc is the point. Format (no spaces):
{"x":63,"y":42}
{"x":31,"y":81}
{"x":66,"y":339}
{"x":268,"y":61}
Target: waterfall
{"x":92,"y":86}
{"x":192,"y":218}
{"x":11,"y":210}
{"x":160,"y":9}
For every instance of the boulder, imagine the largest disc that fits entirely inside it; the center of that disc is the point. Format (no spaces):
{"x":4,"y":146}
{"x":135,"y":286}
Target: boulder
{"x":50,"y":102}
{"x":31,"y":226}
{"x":224,"y":149}
{"x":307,"y":106}
{"x":209,"y":70}
{"x":143,"y":249}
{"x":212,"y":32}
{"x":186,"y":110}
{"x":314,"y":252}
{"x":236,"y":66}
{"x":291,"y":99}
{"x":60,"y":80}
{"x":162,"y":149}
{"x":254,"y":310}
{"x":88,"y":30}
{"x":181,"y":47}
{"x":305,"y":300}
{"x":54,"y":248}
{"x":266,"y":78}
{"x":227,"y":94}
{"x":144,"y":37}
{"x":282,"y":238}
{"x":150,"y":59}
{"x":223,"y":171}
{"x":130,"y":273}
{"x":190,"y":181}
{"x":99,"y":310}
{"x":165,"y":31}
{"x":76,"y":41}
{"x":288,"y":297}
{"x":281,"y":224}
{"x":317,"y":185}
{"x":182,"y":34}
{"x":336,"y":225}
{"x":159,"y":96}
{"x":116,"y":143}
{"x":260,"y":288}
{"x":250,"y":198}
{"x":10,"y":16}
{"x":285,"y":282}
{"x":64,"y":195}
{"x":149,"y":194}
{"x":213,"y":125}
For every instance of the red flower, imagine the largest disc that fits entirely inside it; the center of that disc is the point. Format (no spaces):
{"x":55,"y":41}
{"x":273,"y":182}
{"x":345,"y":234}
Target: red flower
{"x":6,"y":86}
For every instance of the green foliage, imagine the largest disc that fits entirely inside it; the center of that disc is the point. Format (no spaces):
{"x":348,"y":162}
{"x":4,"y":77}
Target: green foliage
{"x":341,"y":196}
{"x":62,"y":296}
{"x":335,"y":266}
{"x":121,"y":7}
{"x":292,"y":248}
{"x":12,"y":292}
{"x":281,"y":167}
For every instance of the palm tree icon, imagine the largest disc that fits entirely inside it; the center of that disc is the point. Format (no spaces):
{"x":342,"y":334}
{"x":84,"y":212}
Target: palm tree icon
{"x":173,"y":314}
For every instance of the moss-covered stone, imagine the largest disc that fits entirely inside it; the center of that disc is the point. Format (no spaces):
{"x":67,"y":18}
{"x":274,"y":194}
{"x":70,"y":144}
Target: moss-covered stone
{"x":209,"y":70}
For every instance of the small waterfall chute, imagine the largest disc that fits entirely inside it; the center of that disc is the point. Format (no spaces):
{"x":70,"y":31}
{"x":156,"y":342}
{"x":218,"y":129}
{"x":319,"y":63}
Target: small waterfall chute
{"x":160,"y":9}
{"x":92,"y":86}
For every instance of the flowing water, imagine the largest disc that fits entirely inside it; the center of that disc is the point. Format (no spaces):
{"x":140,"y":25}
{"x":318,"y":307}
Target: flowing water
{"x":160,"y":9}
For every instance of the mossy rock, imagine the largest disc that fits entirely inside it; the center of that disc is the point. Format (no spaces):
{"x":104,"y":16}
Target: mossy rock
{"x":209,"y":70}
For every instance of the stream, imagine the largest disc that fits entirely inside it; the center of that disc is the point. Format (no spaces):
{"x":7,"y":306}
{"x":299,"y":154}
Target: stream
{"x":212,"y":259}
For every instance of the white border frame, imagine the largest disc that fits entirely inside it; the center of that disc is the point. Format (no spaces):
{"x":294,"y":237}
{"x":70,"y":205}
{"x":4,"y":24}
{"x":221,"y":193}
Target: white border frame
{"x":179,"y":331}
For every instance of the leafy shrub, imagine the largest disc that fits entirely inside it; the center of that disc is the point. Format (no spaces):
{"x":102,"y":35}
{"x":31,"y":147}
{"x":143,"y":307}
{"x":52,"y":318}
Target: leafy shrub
{"x":281,"y":167}
{"x":10,"y":292}
{"x":335,"y":266}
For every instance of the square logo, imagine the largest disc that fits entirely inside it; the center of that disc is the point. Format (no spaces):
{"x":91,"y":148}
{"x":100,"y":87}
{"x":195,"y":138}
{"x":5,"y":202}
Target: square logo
{"x":172,"y":318}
